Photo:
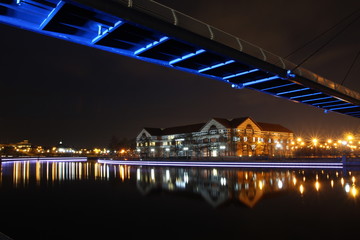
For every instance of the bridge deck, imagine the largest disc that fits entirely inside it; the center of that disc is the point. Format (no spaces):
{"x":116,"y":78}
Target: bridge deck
{"x":152,"y":32}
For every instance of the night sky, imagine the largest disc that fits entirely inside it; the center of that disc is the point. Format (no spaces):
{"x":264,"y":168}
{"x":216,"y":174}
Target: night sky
{"x":54,"y":90}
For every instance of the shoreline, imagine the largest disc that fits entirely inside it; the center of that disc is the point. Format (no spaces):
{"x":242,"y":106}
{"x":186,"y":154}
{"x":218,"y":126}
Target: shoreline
{"x":211,"y":161}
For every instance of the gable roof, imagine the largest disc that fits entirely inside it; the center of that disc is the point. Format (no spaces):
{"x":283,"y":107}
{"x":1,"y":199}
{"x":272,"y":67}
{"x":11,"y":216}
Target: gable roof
{"x":153,"y":131}
{"x":233,"y":123}
{"x":237,"y":121}
{"x":272,"y":127}
{"x":183,"y":129}
{"x":175,"y":130}
{"x":223,"y":121}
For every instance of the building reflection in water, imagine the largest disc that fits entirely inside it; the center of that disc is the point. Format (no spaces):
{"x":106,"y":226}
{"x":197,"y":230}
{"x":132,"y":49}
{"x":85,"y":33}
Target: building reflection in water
{"x":218,"y":186}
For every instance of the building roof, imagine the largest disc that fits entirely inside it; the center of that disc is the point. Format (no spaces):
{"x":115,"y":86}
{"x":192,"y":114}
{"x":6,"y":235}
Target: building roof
{"x":175,"y":130}
{"x":183,"y":129}
{"x":272,"y":127}
{"x":233,"y":123}
{"x":237,"y":121}
{"x":154,"y":131}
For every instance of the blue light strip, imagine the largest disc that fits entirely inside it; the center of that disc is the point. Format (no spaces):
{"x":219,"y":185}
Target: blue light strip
{"x":300,"y":165}
{"x":297,"y":90}
{"x":332,"y":109}
{"x":315,"y":104}
{"x":260,"y":81}
{"x":216,"y":66}
{"x":306,"y":95}
{"x":242,"y":73}
{"x":51,"y":14}
{"x":336,"y":105}
{"x":101,"y":35}
{"x":357,"y":112}
{"x":270,"y":88}
{"x":186,"y":56}
{"x":316,"y":99}
{"x":151,"y":45}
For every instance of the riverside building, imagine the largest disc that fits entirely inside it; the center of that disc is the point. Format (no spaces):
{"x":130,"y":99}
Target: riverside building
{"x":219,"y":137}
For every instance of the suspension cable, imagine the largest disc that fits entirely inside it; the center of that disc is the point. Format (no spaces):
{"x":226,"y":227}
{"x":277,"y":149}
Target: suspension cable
{"x":326,"y":43}
{"x":322,"y":34}
{"x":352,"y":64}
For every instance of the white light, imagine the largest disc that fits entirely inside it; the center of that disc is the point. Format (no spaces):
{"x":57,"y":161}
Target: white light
{"x":138,"y":176}
{"x":222,"y":147}
{"x":152,"y":174}
{"x":347,"y":188}
{"x":167,"y":175}
{"x":280,"y":184}
{"x":152,"y":150}
{"x":186,"y":148}
{"x":186,"y":177}
{"x":223,"y":181}
{"x":167,"y":149}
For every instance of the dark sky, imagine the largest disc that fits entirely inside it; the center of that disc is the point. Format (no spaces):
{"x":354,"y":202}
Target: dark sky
{"x":54,"y":90}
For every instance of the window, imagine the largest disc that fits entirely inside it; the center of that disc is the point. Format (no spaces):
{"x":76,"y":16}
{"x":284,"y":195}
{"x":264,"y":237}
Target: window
{"x":213,"y":129}
{"x":249,"y":129}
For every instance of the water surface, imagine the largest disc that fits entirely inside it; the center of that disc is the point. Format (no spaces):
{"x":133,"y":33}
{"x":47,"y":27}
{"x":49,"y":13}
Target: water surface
{"x":89,"y":200}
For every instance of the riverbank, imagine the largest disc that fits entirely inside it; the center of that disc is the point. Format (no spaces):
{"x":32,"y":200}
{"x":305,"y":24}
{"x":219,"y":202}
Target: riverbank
{"x":240,"y":161}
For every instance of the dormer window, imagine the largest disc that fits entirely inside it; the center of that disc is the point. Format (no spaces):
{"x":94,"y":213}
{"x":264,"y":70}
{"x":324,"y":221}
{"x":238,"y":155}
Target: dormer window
{"x":213,"y":129}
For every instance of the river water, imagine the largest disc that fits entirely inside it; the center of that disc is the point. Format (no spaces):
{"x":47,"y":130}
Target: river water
{"x":91,"y":200}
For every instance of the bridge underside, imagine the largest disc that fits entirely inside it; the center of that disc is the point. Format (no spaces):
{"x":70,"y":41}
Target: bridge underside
{"x":151,"y":32}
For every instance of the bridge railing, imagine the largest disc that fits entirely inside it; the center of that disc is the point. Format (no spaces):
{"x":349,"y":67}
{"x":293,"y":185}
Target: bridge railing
{"x":184,"y":21}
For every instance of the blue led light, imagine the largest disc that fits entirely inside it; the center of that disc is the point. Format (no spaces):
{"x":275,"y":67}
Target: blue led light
{"x":306,"y":95}
{"x":216,"y":66}
{"x":186,"y":56}
{"x":315,"y":104}
{"x":285,"y":85}
{"x":151,"y":45}
{"x":51,"y":14}
{"x":332,"y":109}
{"x":336,"y":105}
{"x":242,"y":73}
{"x":316,"y":99}
{"x":102,"y":34}
{"x":292,"y":91}
{"x":357,"y":112}
{"x":260,"y":81}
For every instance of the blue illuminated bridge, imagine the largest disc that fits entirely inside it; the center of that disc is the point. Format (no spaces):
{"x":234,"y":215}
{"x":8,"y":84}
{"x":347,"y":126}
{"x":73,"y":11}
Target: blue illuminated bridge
{"x":152,"y":32}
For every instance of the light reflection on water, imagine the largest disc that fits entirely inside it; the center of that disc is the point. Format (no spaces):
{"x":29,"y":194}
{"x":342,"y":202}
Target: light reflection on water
{"x":215,"y":185}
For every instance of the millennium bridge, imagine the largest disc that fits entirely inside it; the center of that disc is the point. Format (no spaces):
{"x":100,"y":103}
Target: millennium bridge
{"x":149,"y":31}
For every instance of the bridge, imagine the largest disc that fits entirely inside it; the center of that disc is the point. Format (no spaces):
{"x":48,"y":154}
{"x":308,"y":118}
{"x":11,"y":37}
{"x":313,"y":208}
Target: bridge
{"x":149,"y":31}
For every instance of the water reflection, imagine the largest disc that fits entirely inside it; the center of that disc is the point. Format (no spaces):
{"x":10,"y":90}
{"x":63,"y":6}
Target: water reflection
{"x":24,"y":173}
{"x":217,"y":186}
